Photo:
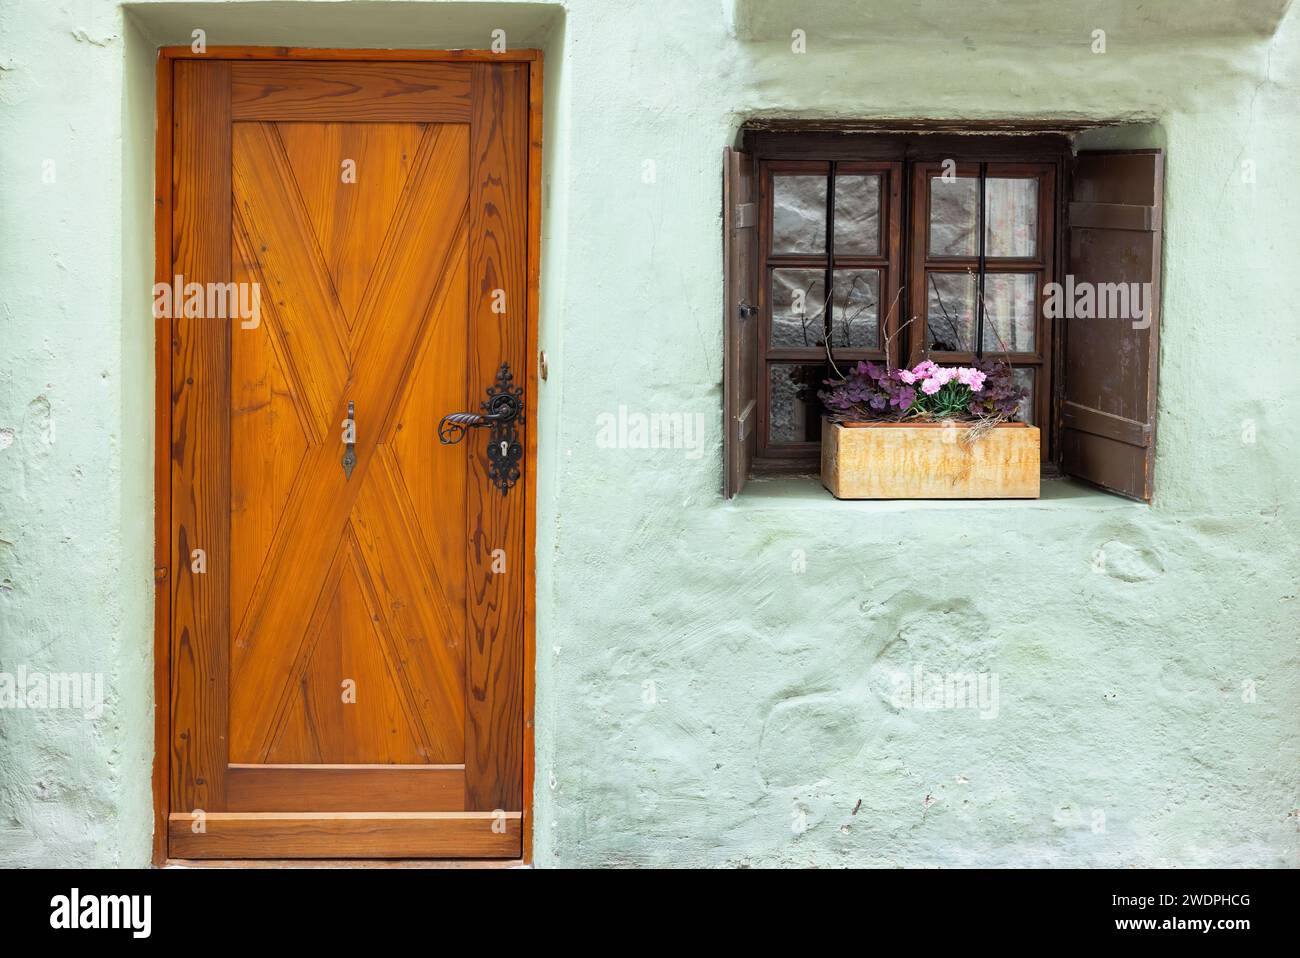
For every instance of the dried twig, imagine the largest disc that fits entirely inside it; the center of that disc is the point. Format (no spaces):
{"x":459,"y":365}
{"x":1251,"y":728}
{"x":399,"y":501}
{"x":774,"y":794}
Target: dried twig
{"x":830,"y":359}
{"x":981,"y":428}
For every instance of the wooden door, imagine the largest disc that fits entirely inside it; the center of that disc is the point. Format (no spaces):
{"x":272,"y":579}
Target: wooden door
{"x":346,"y":641}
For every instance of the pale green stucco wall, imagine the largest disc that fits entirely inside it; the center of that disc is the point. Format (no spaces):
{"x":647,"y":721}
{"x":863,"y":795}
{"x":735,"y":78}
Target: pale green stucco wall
{"x":1120,"y":679}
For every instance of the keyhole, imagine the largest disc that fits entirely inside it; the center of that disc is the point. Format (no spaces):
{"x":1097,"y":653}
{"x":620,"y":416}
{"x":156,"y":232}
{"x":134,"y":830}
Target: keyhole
{"x":504,"y":447}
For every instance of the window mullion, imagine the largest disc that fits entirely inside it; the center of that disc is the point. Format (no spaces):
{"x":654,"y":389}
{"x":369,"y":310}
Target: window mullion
{"x":828,"y":303}
{"x":979,"y":286}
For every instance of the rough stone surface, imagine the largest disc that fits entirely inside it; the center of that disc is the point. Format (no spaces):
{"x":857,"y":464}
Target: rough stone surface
{"x":717,"y":681}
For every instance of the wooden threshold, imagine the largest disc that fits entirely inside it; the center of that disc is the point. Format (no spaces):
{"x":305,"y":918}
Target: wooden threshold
{"x":347,"y":835}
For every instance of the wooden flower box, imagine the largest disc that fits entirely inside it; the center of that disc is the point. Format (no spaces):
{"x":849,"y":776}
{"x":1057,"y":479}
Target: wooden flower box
{"x":886,"y":460}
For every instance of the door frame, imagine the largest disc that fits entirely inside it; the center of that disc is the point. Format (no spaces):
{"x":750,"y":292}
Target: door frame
{"x":167,"y":56}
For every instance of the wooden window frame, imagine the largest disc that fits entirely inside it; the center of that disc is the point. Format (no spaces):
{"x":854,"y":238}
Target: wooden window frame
{"x":888,"y":260}
{"x":922,"y":263}
{"x":1045,"y":153}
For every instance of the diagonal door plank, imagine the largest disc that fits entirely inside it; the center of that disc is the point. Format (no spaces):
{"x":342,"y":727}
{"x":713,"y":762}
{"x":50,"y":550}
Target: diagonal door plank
{"x":427,"y":636}
{"x":291,"y":267}
{"x":251,"y":270}
{"x":351,"y":206}
{"x":405,"y":278}
{"x":292,"y":731}
{"x":315,"y":724}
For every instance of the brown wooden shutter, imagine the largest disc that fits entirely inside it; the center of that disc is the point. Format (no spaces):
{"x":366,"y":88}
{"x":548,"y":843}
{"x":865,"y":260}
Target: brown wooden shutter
{"x":1108,"y":409}
{"x":740,"y":319}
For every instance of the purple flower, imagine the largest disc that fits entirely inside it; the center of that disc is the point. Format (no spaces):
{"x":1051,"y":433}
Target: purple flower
{"x":903,"y":398}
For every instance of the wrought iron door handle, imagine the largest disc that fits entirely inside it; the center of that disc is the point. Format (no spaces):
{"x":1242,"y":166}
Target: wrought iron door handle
{"x":454,"y":425}
{"x":501,"y":409}
{"x":350,"y":442}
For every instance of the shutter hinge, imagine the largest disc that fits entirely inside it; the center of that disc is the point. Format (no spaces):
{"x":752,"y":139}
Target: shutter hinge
{"x":745,"y":216}
{"x":159,"y":573}
{"x":746,"y":311}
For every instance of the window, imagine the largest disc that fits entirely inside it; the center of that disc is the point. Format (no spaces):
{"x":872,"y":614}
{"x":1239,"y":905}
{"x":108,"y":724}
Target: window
{"x":823,"y":225}
{"x":947,"y":247}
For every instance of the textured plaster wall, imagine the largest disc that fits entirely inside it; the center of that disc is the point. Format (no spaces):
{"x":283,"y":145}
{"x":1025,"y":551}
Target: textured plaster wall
{"x":1122,"y":737}
{"x":76,"y":401}
{"x":700,"y":699}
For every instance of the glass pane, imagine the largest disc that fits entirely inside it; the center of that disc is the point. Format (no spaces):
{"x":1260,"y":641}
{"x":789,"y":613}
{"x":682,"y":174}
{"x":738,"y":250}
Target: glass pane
{"x":954,"y":216}
{"x":857,"y":215}
{"x":1010,"y":312}
{"x":798,"y":214}
{"x":1025,"y":377}
{"x":1010,"y":217}
{"x":950,"y":311}
{"x":856,"y":313}
{"x":793,"y":413}
{"x":798,"y":302}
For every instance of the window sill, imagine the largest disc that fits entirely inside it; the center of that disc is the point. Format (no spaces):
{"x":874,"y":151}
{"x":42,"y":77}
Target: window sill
{"x":807,"y":492}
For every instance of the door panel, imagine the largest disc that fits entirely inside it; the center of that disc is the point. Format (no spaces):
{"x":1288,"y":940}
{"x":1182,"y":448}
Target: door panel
{"x":362,"y":525}
{"x":347,"y":668}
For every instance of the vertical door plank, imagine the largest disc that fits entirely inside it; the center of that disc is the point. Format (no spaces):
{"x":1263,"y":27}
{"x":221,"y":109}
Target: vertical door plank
{"x":533,"y":356}
{"x":200,"y":440}
{"x":498,"y":278}
{"x":162,"y":477}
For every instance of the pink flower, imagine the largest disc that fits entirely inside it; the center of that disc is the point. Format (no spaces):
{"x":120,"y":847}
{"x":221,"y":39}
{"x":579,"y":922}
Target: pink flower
{"x":923,"y":370}
{"x":936,"y":377}
{"x":907,"y":376}
{"x":971,"y":377}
